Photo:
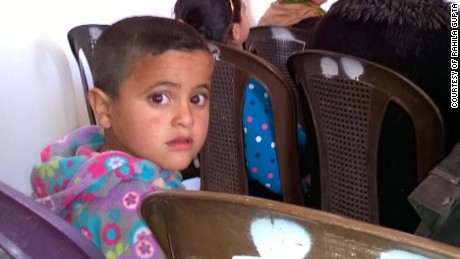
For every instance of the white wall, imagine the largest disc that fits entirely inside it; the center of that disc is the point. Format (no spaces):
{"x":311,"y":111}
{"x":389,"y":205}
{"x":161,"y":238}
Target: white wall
{"x":41,"y":97}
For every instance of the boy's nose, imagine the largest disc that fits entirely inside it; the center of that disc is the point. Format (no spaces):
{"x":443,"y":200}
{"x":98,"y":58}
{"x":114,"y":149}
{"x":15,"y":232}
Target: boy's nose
{"x":184,"y":116}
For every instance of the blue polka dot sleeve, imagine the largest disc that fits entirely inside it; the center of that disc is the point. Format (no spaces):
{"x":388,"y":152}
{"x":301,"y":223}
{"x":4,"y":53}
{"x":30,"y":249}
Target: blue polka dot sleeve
{"x":259,"y":137}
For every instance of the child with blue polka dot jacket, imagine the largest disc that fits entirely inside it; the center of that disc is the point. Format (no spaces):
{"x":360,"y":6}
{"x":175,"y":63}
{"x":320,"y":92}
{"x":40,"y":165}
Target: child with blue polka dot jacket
{"x":152,"y":78}
{"x":226,"y":21}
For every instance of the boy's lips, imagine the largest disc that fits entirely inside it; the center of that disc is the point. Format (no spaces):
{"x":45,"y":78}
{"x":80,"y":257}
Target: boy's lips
{"x":180,"y":143}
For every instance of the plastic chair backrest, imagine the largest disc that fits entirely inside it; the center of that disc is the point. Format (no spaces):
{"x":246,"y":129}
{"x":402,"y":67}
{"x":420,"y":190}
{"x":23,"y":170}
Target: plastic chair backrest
{"x":222,"y":157}
{"x":348,"y":97}
{"x":197,"y":224}
{"x":259,"y":33}
{"x":84,"y":38}
{"x":29,"y":230}
{"x":275,"y":44}
{"x":277,"y":51}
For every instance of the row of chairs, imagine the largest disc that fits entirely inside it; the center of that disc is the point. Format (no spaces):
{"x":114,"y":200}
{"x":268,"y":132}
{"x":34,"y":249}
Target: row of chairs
{"x":324,"y":78}
{"x":346,"y":97}
{"x":210,"y":225}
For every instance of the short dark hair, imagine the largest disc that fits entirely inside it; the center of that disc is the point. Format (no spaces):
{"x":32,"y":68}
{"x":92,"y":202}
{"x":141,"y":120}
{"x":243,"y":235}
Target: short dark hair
{"x":125,"y":42}
{"x":212,"y":18}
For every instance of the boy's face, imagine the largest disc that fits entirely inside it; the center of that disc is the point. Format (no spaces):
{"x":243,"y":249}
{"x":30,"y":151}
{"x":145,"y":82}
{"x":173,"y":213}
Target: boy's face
{"x":162,"y":111}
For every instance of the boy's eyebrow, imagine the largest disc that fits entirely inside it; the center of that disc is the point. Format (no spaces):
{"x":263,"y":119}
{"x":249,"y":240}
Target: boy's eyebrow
{"x":160,"y":83}
{"x":164,"y":83}
{"x":174,"y":85}
{"x":207,"y":86}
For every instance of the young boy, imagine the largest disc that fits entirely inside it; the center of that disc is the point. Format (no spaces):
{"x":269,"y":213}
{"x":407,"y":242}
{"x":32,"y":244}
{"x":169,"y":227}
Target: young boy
{"x":152,"y":78}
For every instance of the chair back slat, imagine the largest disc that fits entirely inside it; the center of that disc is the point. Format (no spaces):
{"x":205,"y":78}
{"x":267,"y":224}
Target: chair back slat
{"x":82,"y":40}
{"x":216,"y":225}
{"x":348,"y":98}
{"x":29,"y":230}
{"x":222,"y":158}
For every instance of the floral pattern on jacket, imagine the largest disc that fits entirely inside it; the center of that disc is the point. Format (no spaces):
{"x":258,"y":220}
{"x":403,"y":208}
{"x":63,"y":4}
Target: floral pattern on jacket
{"x":99,"y":193}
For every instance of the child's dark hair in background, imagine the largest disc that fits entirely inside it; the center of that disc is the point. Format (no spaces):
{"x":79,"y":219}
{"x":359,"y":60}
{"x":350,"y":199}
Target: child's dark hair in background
{"x":212,"y":19}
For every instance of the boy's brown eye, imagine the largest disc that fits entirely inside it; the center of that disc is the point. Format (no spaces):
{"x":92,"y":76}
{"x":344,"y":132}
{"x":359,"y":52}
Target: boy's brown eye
{"x":199,"y":99}
{"x":159,"y":98}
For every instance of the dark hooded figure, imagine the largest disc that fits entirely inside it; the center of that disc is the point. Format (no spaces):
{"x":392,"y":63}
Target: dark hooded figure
{"x":411,"y":37}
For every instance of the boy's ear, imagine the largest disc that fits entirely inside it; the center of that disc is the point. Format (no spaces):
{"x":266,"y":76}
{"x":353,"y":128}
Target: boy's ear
{"x":101,"y":104}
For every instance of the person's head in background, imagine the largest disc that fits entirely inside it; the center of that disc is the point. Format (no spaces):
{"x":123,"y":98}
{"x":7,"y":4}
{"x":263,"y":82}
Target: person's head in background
{"x":152,"y":77}
{"x":223,"y":21}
